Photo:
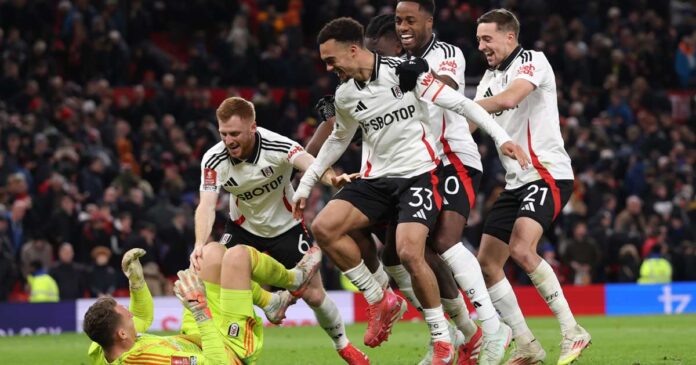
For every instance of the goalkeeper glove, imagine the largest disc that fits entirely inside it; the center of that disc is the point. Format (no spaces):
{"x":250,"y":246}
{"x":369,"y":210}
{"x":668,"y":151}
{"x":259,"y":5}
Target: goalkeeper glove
{"x":409,"y":71}
{"x":325,"y":108}
{"x":191,"y":292}
{"x":130,"y":264}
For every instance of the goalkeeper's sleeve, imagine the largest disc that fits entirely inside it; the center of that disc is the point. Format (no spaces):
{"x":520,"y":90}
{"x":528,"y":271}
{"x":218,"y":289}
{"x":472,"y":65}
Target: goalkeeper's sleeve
{"x":142,"y":307}
{"x":212,"y":343}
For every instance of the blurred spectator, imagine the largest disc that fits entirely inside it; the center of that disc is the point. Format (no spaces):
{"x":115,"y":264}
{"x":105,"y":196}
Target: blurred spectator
{"x":42,"y":287}
{"x":631,"y":221}
{"x":685,"y":60}
{"x":70,"y":276}
{"x":102,"y":277}
{"x":629,"y":262}
{"x":656,"y":269}
{"x":582,"y":255}
{"x":8,"y":269}
{"x":36,"y":250}
{"x":158,"y":284}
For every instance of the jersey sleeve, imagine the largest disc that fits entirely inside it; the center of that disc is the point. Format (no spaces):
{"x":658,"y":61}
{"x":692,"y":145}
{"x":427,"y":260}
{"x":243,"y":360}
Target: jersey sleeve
{"x":533,"y":68}
{"x":287,"y":149}
{"x":142,"y":307}
{"x":433,"y":91}
{"x":451,"y":65}
{"x":211,"y":179}
{"x":481,"y":88}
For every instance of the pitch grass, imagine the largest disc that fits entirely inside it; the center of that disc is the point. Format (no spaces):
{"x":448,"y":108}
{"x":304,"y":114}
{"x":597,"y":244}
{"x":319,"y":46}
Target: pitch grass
{"x":616,"y":340}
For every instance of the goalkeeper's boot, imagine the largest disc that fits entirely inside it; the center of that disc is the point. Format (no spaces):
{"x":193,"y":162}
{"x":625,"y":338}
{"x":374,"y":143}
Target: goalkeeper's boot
{"x":494,"y":346}
{"x":308,"y":266}
{"x":275,"y":310}
{"x":457,"y":339}
{"x":527,"y":354}
{"x":468,"y":352}
{"x":574,"y":341}
{"x":443,"y":353}
{"x":353,"y":355}
{"x":381,"y":317}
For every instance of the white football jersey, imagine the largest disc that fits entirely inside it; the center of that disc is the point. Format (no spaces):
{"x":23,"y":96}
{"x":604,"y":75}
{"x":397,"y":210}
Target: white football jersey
{"x":260,"y":185}
{"x":397,"y":141}
{"x":451,"y":130}
{"x":534,"y":123}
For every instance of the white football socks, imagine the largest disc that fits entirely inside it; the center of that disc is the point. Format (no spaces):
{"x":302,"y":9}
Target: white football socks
{"x":330,"y":320}
{"x":439,"y":327}
{"x":547,"y":285}
{"x":457,"y":311}
{"x":362,"y":278}
{"x":467,"y":273}
{"x":381,"y":276}
{"x":403,"y":280}
{"x":505,"y":303}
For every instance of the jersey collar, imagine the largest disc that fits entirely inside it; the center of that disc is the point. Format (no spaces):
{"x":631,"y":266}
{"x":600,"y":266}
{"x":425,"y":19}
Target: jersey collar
{"x":430,"y":46}
{"x":375,"y":73}
{"x":254,"y":158}
{"x":503,"y":66}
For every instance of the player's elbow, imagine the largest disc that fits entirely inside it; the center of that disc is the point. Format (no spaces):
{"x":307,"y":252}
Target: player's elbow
{"x":508,"y":102}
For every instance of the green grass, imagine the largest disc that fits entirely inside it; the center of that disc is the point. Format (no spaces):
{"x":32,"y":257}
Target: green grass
{"x":616,"y":340}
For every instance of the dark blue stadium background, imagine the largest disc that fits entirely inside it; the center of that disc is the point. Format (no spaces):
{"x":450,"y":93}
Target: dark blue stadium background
{"x":106,"y":108}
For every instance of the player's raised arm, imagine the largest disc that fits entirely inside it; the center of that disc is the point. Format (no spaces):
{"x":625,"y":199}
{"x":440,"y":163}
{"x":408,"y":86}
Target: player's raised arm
{"x":327,"y":115}
{"x":431,"y":90}
{"x":141,"y":304}
{"x":330,"y":152}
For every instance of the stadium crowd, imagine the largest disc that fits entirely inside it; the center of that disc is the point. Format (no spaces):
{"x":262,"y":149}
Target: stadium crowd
{"x":106,"y":110}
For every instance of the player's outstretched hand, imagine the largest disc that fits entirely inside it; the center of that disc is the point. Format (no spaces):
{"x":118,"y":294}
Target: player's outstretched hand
{"x":514,"y":151}
{"x":191,"y":292}
{"x":409,"y":71}
{"x":325,"y":108}
{"x":298,"y":208}
{"x":196,"y":257}
{"x":300,"y":199}
{"x":130,"y":264}
{"x":340,"y":180}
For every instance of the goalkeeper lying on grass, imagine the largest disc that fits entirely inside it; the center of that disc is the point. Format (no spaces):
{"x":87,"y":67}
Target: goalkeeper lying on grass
{"x":219,"y":298}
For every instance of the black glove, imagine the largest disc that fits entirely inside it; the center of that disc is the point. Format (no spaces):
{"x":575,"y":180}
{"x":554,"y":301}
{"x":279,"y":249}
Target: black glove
{"x":325,"y":108}
{"x":409,"y":71}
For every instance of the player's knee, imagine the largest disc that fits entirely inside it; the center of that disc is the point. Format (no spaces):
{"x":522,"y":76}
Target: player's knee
{"x":236,"y":255}
{"x":522,"y":254}
{"x":213,"y":251}
{"x":410,"y":257}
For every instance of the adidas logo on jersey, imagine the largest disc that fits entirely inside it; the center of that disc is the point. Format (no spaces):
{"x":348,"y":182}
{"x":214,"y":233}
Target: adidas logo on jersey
{"x":488,"y":93}
{"x":529,"y":206}
{"x":360,"y":106}
{"x":419,"y":214}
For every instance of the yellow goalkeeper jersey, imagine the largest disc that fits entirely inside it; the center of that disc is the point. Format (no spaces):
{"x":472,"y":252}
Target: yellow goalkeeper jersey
{"x":165,"y":350}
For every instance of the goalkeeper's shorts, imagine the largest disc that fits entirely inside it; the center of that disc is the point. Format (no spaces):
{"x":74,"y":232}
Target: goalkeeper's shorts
{"x":243,"y":335}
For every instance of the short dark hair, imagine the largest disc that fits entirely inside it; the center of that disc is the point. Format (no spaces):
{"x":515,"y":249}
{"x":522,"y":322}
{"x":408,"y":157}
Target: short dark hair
{"x":101,"y":321}
{"x":380,"y":26}
{"x":345,"y":29}
{"x":427,"y":5}
{"x":503,"y":18}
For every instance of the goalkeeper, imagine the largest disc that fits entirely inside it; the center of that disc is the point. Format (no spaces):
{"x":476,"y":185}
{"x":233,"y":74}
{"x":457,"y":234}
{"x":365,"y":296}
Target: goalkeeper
{"x":220,"y":298}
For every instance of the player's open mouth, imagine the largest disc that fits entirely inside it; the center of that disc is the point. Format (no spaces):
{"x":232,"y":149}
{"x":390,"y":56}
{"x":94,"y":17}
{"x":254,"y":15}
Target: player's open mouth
{"x":407,"y":39}
{"x":489,"y":55}
{"x":233,"y":148}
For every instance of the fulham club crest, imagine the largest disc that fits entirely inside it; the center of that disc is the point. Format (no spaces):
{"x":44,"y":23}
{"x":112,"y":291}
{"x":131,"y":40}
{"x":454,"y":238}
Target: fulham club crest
{"x":267,"y":171}
{"x":396,"y":90}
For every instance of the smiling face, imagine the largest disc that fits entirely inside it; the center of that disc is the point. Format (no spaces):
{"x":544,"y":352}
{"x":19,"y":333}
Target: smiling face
{"x":495,"y":44}
{"x":238,"y":134}
{"x":340,"y":58}
{"x":414,"y":26}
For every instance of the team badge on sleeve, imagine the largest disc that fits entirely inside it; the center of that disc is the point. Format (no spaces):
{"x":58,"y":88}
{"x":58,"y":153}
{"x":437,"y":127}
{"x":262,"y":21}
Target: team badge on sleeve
{"x":209,"y":179}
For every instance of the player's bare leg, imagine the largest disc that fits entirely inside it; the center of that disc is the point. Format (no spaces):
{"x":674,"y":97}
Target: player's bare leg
{"x":467,"y":272}
{"x":523,"y":245}
{"x":410,"y":247}
{"x":330,"y":230}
